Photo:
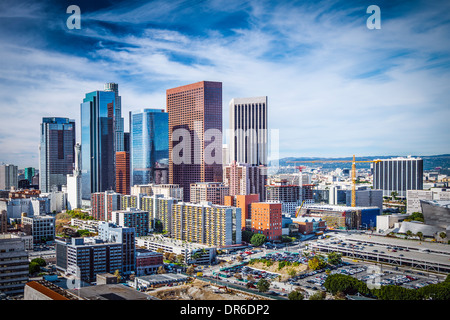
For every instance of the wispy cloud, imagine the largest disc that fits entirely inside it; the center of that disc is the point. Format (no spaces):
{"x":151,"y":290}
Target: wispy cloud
{"x":335,"y":87}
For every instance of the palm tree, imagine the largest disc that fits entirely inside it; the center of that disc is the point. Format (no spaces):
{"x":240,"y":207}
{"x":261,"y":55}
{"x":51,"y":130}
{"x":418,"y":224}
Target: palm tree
{"x":408,"y":233}
{"x":420,"y":235}
{"x":443,"y":235}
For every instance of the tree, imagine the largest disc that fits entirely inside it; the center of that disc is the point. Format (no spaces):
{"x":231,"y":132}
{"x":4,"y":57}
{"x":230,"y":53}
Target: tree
{"x":190,"y":270}
{"x":263,"y":285}
{"x":172,"y":256}
{"x":246,"y":235}
{"x":180,"y":258}
{"x":83,"y":233}
{"x":34,"y":267}
{"x":295,"y":295}
{"x":292,"y":272}
{"x":394,"y":195}
{"x":161,"y":270}
{"x":335,"y":258}
{"x":409,"y":233}
{"x":318,"y":296}
{"x":258,"y":239}
{"x":442,"y":235}
{"x":420,"y":235}
{"x":285,"y":238}
{"x":346,"y":284}
{"x":158,"y":226}
{"x":117,"y":275}
{"x":39,"y":261}
{"x":316,"y":263}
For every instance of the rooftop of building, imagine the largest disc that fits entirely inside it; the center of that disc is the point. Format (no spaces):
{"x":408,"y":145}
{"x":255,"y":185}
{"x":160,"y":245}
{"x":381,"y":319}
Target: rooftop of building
{"x":157,"y":238}
{"x":401,"y":158}
{"x":306,"y":219}
{"x":51,"y":290}
{"x":336,"y":207}
{"x":40,"y":217}
{"x":209,"y":184}
{"x":204,"y":204}
{"x":110,"y":292}
{"x":439,"y":203}
{"x":163,"y":278}
{"x":132,"y":210}
{"x":146,"y":252}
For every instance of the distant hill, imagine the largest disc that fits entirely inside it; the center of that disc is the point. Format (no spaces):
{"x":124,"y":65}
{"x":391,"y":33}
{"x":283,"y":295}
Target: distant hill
{"x":429,"y":162}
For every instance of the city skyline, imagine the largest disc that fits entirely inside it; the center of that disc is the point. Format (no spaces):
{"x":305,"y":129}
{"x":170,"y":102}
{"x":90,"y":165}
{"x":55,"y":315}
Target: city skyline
{"x":335,"y":87}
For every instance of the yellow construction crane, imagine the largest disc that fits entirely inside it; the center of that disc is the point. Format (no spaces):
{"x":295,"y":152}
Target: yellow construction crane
{"x":354,"y":162}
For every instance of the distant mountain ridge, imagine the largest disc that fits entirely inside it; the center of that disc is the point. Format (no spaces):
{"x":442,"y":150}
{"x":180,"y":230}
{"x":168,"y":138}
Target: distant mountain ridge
{"x":429,"y":162}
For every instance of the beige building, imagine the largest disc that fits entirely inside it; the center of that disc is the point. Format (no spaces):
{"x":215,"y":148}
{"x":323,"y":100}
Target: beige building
{"x":213,"y":192}
{"x":167,"y":190}
{"x":413,"y":198}
{"x":245,"y":179}
{"x":213,"y":225}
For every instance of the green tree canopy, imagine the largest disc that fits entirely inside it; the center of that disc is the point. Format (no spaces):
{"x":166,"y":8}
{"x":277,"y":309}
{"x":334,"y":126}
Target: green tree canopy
{"x":39,"y":261}
{"x":257,"y":239}
{"x":344,"y":283}
{"x":263,"y":285}
{"x":247,"y":235}
{"x":318,"y":296}
{"x":34,"y":267}
{"x":415,"y":216}
{"x":295,"y":295}
{"x":334,"y":258}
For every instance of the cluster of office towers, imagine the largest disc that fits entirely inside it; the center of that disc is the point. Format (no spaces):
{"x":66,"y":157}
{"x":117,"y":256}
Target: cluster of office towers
{"x":161,"y":146}
{"x":180,"y":146}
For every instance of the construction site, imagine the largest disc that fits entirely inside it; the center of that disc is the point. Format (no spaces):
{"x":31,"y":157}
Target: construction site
{"x":202,"y":290}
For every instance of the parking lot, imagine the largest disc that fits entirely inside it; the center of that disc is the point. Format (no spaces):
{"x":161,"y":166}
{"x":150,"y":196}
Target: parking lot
{"x":369,"y":271}
{"x":369,"y":274}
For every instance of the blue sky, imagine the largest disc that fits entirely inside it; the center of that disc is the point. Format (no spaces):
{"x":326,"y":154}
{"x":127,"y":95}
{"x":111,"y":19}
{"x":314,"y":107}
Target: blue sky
{"x":335,"y":88}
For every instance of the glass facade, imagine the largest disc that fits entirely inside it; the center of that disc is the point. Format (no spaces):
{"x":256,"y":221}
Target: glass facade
{"x":97,"y":142}
{"x":57,"y":153}
{"x":149,"y":144}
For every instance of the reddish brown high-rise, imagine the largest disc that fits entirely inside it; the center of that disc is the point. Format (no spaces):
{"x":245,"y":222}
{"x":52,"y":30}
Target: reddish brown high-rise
{"x":193,"y":109}
{"x":123,"y":172}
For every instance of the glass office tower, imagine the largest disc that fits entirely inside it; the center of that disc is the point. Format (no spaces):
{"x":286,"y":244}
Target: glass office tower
{"x":56,"y":152}
{"x":149,"y":144}
{"x":118,"y":120}
{"x":97,"y":142}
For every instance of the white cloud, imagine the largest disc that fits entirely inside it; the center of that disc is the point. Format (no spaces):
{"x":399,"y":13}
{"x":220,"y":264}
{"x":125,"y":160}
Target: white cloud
{"x":310,"y":62}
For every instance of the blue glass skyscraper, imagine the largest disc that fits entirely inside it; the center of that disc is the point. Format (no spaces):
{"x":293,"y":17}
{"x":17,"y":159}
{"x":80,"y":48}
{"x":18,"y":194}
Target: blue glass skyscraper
{"x":56,"y":152}
{"x":149,"y":145}
{"x":97,"y":142}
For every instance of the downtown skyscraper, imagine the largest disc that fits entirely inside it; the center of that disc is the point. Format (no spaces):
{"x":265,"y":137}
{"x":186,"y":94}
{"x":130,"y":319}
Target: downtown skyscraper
{"x":398,"y":175}
{"x":56,"y":152}
{"x":248,"y":144}
{"x":118,"y":120}
{"x":149,"y":145}
{"x":249,"y":132}
{"x":195,"y":134}
{"x":74,"y":182}
{"x":99,"y":118}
